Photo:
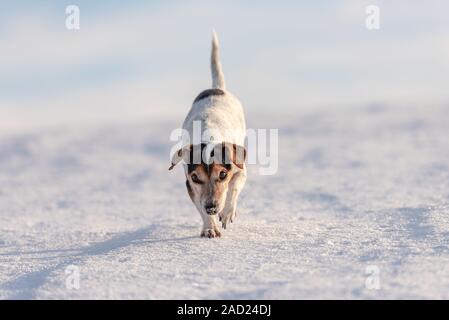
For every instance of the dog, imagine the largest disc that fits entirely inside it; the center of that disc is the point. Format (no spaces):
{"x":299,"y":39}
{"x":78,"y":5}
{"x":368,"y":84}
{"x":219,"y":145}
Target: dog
{"x":214,"y":164}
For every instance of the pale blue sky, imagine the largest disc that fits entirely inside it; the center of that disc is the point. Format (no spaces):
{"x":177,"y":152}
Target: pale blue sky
{"x":134,"y":59}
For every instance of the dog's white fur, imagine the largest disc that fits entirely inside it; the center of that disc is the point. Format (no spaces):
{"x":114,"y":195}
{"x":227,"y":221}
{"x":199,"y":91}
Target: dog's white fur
{"x":222,"y":117}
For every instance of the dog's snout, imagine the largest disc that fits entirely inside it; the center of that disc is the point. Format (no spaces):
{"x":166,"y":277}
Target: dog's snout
{"x":211,"y":208}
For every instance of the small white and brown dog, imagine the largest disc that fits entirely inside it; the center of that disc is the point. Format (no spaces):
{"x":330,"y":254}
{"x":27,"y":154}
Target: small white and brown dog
{"x":214,"y":163}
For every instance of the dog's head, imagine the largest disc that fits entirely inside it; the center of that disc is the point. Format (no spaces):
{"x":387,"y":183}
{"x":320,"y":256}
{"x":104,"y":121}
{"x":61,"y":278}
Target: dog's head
{"x":210,"y":169}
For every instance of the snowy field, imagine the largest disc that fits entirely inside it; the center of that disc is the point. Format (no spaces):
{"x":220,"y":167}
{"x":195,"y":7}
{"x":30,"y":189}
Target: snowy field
{"x":357,"y":189}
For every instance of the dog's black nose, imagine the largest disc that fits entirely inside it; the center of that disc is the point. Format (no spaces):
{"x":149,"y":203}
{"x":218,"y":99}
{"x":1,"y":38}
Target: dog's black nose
{"x":211,"y":208}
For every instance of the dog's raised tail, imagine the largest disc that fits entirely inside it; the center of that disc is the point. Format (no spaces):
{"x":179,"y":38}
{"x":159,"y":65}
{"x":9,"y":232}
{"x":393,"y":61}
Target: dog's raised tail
{"x":218,"y":81}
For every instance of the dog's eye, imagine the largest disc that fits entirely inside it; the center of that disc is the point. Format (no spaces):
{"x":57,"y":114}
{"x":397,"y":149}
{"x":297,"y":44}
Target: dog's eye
{"x":195,"y":178}
{"x":223,"y":175}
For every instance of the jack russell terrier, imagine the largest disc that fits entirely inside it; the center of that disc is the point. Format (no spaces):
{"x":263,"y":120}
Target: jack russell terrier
{"x":214,"y":163}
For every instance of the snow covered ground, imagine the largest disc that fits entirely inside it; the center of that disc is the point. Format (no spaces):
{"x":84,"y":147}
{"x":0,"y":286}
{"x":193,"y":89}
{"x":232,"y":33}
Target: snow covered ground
{"x":357,"y":190}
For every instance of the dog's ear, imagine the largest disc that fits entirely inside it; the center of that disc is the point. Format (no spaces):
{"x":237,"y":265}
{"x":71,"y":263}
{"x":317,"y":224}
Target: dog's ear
{"x":180,"y":155}
{"x":235,"y":153}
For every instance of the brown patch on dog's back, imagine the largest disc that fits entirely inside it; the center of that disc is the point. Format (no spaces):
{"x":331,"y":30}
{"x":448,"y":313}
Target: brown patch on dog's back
{"x":208,"y":93}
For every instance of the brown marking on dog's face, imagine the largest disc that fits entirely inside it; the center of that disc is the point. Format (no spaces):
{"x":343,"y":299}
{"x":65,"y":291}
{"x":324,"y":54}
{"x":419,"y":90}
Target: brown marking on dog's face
{"x":209,"y":186}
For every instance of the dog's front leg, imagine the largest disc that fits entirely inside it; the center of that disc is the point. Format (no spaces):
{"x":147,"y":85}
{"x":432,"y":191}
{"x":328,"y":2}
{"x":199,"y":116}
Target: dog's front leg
{"x":235,"y":187}
{"x":210,"y":226}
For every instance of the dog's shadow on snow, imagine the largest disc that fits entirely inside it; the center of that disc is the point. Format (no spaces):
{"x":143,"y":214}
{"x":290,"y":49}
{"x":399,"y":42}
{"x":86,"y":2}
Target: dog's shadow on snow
{"x":138,"y":237}
{"x":25,"y":286}
{"x":121,"y":240}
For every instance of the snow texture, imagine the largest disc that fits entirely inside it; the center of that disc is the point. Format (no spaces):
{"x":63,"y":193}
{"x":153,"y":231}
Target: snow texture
{"x":356,"y":189}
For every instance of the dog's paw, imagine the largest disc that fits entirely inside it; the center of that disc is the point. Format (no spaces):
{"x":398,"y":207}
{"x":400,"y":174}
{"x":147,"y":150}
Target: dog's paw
{"x":227,"y":218}
{"x":210,"y":233}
